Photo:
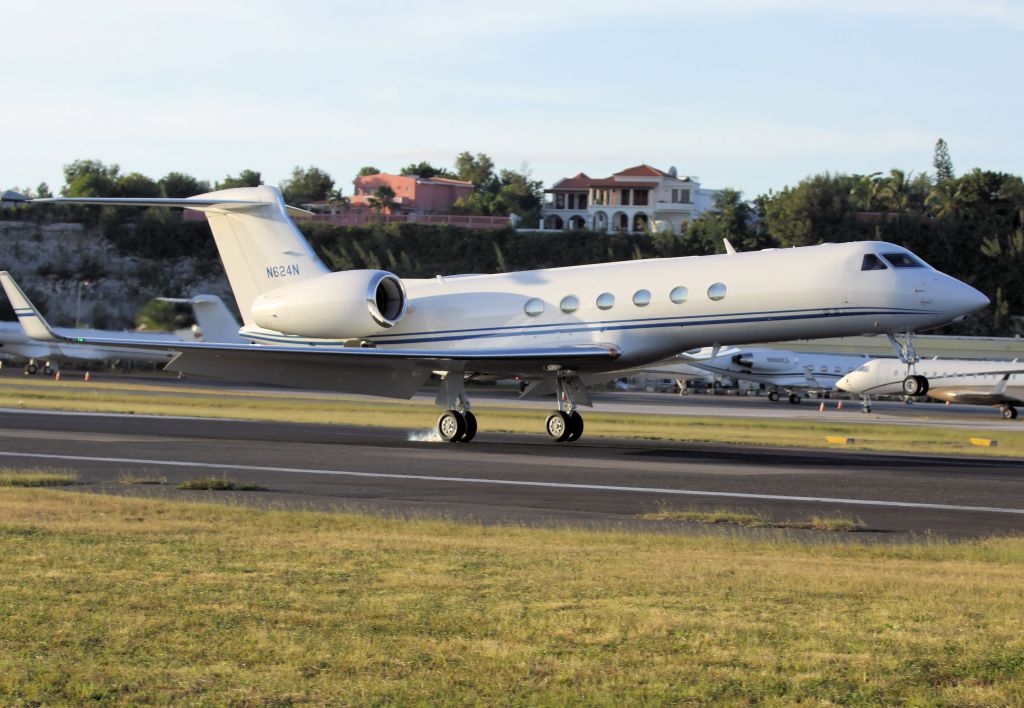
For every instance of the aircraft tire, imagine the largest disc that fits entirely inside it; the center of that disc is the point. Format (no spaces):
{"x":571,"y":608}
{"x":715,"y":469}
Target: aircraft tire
{"x":1009,"y":412}
{"x":48,"y":370}
{"x":915,"y":385}
{"x":470,"y":427}
{"x":558,"y":426}
{"x":576,"y":425}
{"x":451,"y":426}
{"x":31,"y":369}
{"x":794,"y":399}
{"x":773,"y":396}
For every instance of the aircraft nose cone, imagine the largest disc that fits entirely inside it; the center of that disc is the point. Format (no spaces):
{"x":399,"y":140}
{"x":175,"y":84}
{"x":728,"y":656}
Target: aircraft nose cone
{"x":843,"y":383}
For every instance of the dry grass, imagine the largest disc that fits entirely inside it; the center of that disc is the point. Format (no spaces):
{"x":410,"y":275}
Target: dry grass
{"x":221,"y":484}
{"x":216,"y":403}
{"x":32,"y":477}
{"x":753,"y":519}
{"x":141,"y":479}
{"x":122,"y":600}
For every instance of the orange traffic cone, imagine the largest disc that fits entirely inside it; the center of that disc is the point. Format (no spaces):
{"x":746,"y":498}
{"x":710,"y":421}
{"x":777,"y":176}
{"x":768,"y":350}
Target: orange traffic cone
{"x":821,"y":408}
{"x":56,"y":377}
{"x":948,"y":402}
{"x":839,"y":407}
{"x":86,"y":376}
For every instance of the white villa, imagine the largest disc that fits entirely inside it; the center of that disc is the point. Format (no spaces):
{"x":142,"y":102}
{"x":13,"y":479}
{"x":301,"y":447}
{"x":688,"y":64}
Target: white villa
{"x":635,"y":199}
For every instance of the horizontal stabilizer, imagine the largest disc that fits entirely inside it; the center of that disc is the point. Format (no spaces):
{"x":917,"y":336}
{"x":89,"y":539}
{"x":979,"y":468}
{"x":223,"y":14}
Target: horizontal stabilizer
{"x":194,"y":203}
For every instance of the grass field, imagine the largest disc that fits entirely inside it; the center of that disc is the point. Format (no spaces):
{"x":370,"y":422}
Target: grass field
{"x":121,"y":600}
{"x":212,"y":402}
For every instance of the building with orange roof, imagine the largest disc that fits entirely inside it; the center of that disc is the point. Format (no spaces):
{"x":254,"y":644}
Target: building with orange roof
{"x":636,"y":199}
{"x":416,"y":195}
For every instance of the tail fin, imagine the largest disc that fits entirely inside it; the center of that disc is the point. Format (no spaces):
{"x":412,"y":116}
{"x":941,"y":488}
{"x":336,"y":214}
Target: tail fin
{"x":215,"y":320}
{"x":31,"y":321}
{"x":259,"y":245}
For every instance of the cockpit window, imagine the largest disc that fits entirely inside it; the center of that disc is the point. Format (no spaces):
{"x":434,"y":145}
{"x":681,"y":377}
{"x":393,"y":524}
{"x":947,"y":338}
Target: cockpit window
{"x":866,"y":367}
{"x":902,"y":260}
{"x":872,"y":262}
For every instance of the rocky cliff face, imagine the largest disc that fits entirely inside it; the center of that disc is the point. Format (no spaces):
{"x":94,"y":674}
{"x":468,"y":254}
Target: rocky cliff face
{"x":50,"y":260}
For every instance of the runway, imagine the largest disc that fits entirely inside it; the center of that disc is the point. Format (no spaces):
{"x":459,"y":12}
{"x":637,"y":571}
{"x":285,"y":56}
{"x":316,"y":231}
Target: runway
{"x":519,"y":478}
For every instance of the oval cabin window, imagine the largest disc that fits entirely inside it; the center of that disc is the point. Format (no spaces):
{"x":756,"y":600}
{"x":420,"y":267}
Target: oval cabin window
{"x":642,"y":298}
{"x":534,"y":306}
{"x":569,"y":304}
{"x":717,"y":292}
{"x":605,"y":301}
{"x":679,"y":295}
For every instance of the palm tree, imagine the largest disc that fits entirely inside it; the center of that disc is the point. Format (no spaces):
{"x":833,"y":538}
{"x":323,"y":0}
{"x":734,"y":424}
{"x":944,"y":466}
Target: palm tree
{"x":383,"y":198}
{"x":337,"y":201}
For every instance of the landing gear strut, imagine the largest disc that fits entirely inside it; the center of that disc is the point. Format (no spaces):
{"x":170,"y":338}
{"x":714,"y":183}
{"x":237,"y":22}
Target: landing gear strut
{"x":566,"y":424}
{"x":914,"y":384}
{"x":865,"y":404}
{"x":457,"y":423}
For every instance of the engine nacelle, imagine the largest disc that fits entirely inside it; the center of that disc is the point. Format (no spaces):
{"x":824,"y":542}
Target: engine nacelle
{"x":765,"y":361}
{"x":349,"y":304}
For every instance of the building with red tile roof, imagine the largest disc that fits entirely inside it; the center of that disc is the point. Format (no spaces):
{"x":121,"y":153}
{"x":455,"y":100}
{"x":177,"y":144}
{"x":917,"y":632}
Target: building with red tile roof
{"x":632,"y":200}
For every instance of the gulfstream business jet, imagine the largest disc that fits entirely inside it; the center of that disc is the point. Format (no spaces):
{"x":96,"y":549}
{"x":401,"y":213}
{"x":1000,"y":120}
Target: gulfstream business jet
{"x":371,"y":332}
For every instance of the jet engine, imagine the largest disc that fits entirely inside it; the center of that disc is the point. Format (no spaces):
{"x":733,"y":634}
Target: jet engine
{"x":765,"y":361}
{"x":350,"y":304}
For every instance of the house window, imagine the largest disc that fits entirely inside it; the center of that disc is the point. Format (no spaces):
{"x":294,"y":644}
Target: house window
{"x":684,"y":196}
{"x":581,"y":201}
{"x":675,"y":196}
{"x":559,"y":201}
{"x":625,"y":197}
{"x":640,"y":197}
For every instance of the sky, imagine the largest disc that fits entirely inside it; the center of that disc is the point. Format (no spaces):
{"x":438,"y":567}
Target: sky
{"x":749,"y":94}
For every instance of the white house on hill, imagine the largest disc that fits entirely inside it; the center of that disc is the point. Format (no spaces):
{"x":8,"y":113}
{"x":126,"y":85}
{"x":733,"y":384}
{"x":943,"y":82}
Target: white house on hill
{"x":633,"y":200}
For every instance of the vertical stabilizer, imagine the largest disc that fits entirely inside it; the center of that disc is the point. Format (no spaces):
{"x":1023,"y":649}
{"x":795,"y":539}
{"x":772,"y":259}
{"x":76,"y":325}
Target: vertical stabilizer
{"x":260,"y":246}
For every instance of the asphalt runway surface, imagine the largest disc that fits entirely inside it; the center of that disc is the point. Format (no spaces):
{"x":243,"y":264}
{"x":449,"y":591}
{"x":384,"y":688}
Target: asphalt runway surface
{"x":525,"y":479}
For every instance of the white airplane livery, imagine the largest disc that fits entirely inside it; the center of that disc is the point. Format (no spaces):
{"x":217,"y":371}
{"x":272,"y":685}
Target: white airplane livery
{"x":215,"y":324}
{"x":371,"y":332}
{"x":982,"y":383}
{"x":781,"y":369}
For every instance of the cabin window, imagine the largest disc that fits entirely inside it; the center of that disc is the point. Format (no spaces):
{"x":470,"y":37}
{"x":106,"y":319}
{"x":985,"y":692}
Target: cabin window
{"x":569,"y":304}
{"x":534,"y":306}
{"x":872,"y":262}
{"x":717,"y":292}
{"x":642,"y":298}
{"x":605,"y":301}
{"x":902,"y":260}
{"x":679,"y":294}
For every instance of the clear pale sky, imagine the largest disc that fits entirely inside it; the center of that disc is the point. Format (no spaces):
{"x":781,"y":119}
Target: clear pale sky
{"x":743,"y":93}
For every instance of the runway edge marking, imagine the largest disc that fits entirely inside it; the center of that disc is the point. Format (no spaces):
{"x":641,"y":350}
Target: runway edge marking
{"x":521,"y":483}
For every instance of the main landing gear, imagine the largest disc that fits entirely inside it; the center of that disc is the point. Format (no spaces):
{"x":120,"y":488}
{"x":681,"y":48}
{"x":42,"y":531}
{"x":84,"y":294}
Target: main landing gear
{"x":914,"y":384}
{"x":566,"y":424}
{"x":457,"y":423}
{"x":33,"y":368}
{"x":1008,"y":412}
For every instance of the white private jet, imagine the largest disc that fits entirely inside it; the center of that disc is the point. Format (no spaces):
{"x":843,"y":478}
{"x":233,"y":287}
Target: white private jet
{"x":371,"y":332}
{"x":982,"y":383}
{"x":216,"y":324}
{"x":792,"y":372}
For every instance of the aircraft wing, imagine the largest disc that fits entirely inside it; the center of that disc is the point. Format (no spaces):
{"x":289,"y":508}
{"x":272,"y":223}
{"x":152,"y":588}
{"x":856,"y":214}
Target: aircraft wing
{"x":383,"y":372}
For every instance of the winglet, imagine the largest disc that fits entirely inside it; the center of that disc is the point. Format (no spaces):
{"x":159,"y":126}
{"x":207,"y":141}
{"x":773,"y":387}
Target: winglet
{"x":33,"y":323}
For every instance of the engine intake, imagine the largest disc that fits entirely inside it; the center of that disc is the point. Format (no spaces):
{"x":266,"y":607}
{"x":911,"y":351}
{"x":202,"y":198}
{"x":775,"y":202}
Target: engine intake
{"x":350,"y":304}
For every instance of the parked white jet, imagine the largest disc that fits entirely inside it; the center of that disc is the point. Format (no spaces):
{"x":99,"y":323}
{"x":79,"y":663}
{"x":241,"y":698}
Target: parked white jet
{"x":368,"y":331}
{"x":983,"y":383}
{"x":216,"y":324}
{"x":779,"y":369}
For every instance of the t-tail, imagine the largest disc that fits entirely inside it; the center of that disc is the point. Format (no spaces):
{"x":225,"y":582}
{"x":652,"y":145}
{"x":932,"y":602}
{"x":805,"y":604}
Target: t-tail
{"x":259,"y":245}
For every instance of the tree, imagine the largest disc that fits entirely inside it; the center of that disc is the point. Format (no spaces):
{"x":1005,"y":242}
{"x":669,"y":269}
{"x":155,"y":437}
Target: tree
{"x":245,"y":178}
{"x":424,"y":170}
{"x":367,"y":170}
{"x":382,"y":199}
{"x":43,"y":191}
{"x":942,"y":162}
{"x":137,"y":185}
{"x":307,"y":185}
{"x":177,"y":185}
{"x":477,"y":169}
{"x":337,"y":200}
{"x":90,"y":178}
